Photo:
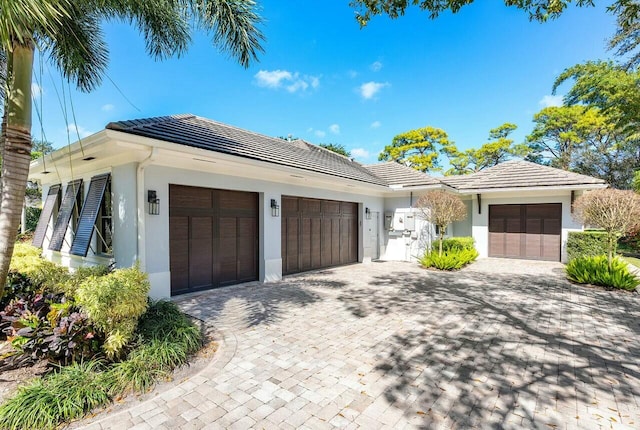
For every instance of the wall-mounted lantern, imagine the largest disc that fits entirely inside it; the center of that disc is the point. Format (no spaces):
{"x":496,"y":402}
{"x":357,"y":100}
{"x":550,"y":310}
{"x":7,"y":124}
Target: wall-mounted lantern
{"x":275,"y":208}
{"x":154,"y":202}
{"x":367,"y":213}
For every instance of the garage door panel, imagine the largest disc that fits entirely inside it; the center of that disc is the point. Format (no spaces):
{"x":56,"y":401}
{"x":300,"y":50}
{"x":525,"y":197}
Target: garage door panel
{"x":305,"y":244}
{"x":327,"y":234}
{"x":201,"y":252}
{"x":496,"y":244}
{"x":247,"y":248}
{"x":530,"y":231}
{"x":179,"y":267}
{"x":213,"y":237}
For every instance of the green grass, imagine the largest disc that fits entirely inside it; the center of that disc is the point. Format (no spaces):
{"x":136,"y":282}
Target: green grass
{"x":165,"y":340}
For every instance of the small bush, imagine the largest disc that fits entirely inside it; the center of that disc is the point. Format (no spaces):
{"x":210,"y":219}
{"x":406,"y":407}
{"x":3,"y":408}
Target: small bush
{"x":47,"y":327}
{"x":166,"y":339}
{"x":59,"y":397}
{"x":43,"y":274}
{"x":454,"y":244}
{"x":586,"y":244}
{"x":114,"y":303}
{"x":595,"y":270}
{"x":449,"y":260}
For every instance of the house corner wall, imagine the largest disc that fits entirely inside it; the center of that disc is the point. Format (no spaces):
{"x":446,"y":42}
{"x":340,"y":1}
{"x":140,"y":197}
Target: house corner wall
{"x":125,"y":219}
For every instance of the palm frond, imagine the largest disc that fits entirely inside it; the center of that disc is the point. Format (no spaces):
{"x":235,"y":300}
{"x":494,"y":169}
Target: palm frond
{"x":78,"y":48}
{"x":18,"y":19}
{"x":234,"y":24}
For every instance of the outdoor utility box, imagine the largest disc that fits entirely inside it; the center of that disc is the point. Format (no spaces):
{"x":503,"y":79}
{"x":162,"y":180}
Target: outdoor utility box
{"x":398,"y":221}
{"x":410,"y":222}
{"x":388,"y":221}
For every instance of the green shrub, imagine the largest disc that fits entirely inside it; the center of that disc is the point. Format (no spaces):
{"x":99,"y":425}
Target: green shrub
{"x":59,"y":397}
{"x":586,"y":244}
{"x":70,"y":286}
{"x":595,"y":270}
{"x":449,"y":260}
{"x":43,"y":274}
{"x":454,"y":243}
{"x":166,"y":339}
{"x":114,"y":303}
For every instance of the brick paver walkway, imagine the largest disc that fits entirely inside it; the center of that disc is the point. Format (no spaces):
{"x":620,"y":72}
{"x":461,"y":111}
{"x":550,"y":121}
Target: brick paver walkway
{"x":501,"y":344}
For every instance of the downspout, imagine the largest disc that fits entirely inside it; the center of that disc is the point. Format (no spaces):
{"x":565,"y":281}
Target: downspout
{"x":141,"y":252}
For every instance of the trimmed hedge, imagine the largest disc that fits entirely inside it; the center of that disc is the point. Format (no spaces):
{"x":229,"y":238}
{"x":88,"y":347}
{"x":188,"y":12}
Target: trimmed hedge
{"x":454,"y":244}
{"x":586,"y":244}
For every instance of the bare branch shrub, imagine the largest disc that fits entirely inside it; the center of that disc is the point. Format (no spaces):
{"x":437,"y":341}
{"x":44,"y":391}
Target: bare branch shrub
{"x":617,"y":212}
{"x":441,"y":209}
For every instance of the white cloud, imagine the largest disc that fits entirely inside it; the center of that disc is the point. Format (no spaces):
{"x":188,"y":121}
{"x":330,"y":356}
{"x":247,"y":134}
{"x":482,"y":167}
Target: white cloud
{"x":360,"y":153}
{"x":376,"y":124}
{"x":320,"y":133}
{"x":549,"y":101}
{"x":334,"y":128}
{"x":36,"y":90}
{"x":352,"y":74}
{"x":370,"y":89}
{"x":272,"y":79}
{"x":76,"y":130}
{"x":108,"y":107}
{"x":376,"y":66}
{"x":292,"y":82}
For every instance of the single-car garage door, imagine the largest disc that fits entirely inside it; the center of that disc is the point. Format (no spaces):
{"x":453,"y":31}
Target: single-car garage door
{"x":213,"y":238}
{"x":525,"y":231}
{"x":318,"y":233}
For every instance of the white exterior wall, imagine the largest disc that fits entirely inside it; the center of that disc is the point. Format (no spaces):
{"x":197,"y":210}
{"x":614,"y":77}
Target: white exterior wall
{"x":156,"y":227}
{"x":481,"y":220}
{"x":400,"y":244}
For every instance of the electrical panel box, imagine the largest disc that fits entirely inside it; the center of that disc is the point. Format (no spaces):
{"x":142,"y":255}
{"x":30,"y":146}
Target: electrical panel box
{"x":399,"y":221}
{"x":410,"y":222}
{"x":388,"y":221}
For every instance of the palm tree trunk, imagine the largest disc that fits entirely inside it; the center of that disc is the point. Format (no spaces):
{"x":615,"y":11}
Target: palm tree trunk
{"x":17,"y":150}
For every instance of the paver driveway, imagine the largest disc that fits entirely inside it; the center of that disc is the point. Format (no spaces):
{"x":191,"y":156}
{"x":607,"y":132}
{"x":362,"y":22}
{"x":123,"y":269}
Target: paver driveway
{"x":502,"y":344}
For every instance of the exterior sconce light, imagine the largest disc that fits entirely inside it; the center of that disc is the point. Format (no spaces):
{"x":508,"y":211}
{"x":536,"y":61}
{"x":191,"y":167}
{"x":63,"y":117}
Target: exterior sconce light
{"x":367,"y":213}
{"x":275,"y":208}
{"x":154,"y":202}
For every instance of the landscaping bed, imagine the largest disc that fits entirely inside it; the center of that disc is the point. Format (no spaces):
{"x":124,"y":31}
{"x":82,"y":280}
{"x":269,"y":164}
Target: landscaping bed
{"x":80,"y":341}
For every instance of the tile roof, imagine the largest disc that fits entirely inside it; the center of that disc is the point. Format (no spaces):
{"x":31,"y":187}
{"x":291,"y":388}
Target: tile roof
{"x":214,"y":136}
{"x":397,"y":174}
{"x":519,"y":174}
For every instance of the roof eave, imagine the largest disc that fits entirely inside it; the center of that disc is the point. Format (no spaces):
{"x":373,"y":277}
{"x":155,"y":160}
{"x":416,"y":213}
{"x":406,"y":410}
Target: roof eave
{"x":538,"y":188}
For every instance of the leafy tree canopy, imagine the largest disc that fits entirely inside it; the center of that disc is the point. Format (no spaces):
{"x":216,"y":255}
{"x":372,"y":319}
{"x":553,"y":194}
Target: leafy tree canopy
{"x":417,"y":148}
{"x":337,"y":148}
{"x":611,"y":88}
{"x":500,"y":148}
{"x":40,"y":148}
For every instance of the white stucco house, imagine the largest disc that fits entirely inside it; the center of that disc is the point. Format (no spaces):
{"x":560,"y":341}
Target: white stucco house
{"x":202,"y":204}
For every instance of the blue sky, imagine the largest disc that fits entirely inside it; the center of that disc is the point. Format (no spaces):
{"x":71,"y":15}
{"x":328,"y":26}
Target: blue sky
{"x":324,"y":79}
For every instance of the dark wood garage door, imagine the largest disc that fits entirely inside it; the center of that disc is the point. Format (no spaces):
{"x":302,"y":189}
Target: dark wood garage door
{"x":318,"y":233}
{"x":525,"y":231}
{"x":213,"y":238}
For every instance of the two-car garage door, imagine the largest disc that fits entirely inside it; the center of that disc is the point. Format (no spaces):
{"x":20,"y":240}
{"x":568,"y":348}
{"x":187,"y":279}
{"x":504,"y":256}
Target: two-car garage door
{"x":531,"y":231}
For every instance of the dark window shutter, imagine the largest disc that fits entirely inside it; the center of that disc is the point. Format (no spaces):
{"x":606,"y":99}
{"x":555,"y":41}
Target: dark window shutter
{"x":64,"y":215}
{"x":45,"y":215}
{"x":88,"y":216}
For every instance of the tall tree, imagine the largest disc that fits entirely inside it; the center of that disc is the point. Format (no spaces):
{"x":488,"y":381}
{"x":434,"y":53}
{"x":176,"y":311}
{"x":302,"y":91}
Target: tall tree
{"x":499,"y":148}
{"x":558,"y":131}
{"x":584,"y":140}
{"x":417,"y":148}
{"x":611,"y":88}
{"x":626,"y":41}
{"x":69,"y":31}
{"x":337,"y":148}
